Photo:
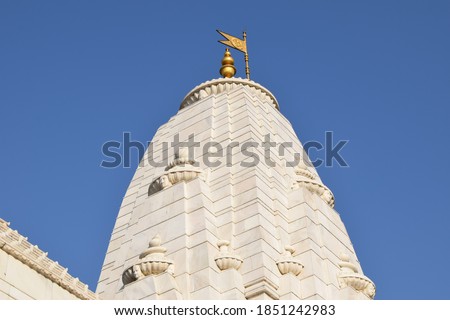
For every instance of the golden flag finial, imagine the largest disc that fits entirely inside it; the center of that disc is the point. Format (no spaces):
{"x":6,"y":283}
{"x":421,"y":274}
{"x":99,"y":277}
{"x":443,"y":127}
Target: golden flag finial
{"x":238,"y":44}
{"x":228,"y":69}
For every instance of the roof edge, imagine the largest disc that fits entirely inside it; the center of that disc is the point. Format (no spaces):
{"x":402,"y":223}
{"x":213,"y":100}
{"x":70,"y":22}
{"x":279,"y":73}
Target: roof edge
{"x":217,"y":86}
{"x":16,"y":245}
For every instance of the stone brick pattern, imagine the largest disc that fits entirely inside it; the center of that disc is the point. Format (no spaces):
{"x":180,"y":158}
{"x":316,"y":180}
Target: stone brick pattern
{"x":288,"y":237}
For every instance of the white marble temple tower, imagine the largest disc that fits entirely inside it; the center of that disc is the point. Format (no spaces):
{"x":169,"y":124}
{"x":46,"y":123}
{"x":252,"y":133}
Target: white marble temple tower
{"x":196,"y":230}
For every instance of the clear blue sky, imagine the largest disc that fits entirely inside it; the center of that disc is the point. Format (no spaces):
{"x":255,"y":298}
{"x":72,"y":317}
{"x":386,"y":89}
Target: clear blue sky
{"x":76,"y":74}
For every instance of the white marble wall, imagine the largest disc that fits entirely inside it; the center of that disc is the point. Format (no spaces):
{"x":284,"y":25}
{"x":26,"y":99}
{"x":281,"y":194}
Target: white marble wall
{"x":19,"y":282}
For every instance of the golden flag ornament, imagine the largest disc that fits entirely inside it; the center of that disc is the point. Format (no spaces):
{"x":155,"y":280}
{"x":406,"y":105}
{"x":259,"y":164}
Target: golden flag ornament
{"x":233,"y":42}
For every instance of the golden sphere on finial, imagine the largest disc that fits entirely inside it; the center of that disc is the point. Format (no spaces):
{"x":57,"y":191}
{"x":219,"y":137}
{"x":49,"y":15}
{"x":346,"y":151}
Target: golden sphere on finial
{"x":227,"y":70}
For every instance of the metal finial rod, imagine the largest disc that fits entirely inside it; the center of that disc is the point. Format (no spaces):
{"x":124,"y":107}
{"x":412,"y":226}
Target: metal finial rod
{"x":247,"y":68}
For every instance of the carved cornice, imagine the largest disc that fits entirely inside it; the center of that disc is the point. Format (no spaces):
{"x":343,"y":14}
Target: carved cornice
{"x":218,"y":86}
{"x":18,"y":246}
{"x":260,"y":286}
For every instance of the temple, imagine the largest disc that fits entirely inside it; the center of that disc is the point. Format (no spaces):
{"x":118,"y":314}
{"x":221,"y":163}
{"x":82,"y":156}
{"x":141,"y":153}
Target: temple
{"x":235,"y":210}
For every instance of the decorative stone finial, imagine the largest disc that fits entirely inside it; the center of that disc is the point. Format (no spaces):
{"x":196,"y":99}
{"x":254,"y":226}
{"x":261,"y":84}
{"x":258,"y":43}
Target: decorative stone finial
{"x":302,"y":170}
{"x":287,"y":264}
{"x":152,"y":261}
{"x":181,"y":159}
{"x":180,"y":169}
{"x":307,"y":179}
{"x":225,"y":259}
{"x":228,"y":69}
{"x":350,"y":277}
